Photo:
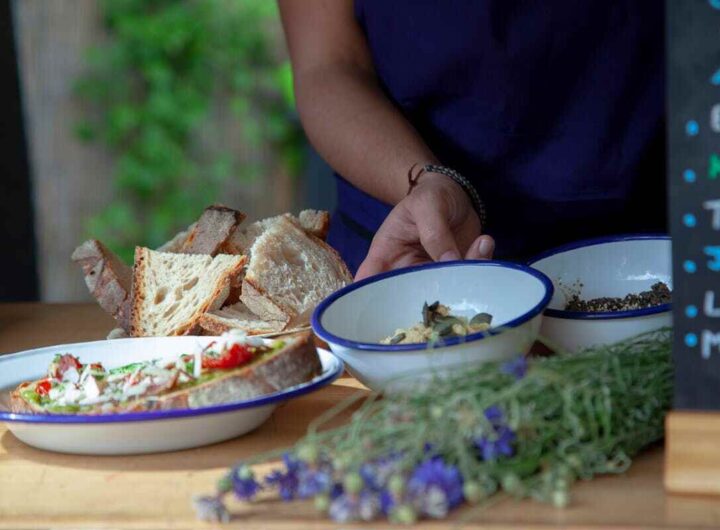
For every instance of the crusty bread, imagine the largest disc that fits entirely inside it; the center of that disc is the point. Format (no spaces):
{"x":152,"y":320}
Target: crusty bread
{"x":290,"y":272}
{"x":258,"y":302}
{"x":108,"y":279}
{"x":292,"y":365}
{"x":315,"y":222}
{"x":176,"y":243}
{"x":212,"y":231}
{"x":172,"y":291}
{"x":237,"y":316}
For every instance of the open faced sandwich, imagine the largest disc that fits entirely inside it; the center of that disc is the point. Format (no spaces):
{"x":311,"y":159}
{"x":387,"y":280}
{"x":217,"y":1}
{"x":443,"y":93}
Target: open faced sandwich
{"x":235,"y":367}
{"x":264,"y":278}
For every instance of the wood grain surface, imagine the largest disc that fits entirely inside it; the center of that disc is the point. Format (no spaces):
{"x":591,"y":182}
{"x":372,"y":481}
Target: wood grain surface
{"x":39,"y":489}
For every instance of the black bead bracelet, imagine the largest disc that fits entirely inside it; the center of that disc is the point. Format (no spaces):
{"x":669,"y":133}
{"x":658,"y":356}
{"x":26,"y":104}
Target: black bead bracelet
{"x":466,"y":185}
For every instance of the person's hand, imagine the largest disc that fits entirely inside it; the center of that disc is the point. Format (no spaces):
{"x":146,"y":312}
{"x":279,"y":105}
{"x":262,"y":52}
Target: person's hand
{"x":435,"y":222}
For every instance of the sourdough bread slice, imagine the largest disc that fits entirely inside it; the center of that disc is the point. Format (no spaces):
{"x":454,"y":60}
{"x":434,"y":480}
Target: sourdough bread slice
{"x":314,"y":222}
{"x":108,"y":279}
{"x":295,"y":363}
{"x":172,"y":291}
{"x":237,"y":316}
{"x":290,"y":272}
{"x":212,"y":231}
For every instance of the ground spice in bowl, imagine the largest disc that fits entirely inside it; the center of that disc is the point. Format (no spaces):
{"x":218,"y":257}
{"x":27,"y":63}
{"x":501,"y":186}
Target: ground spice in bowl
{"x":658,"y":294}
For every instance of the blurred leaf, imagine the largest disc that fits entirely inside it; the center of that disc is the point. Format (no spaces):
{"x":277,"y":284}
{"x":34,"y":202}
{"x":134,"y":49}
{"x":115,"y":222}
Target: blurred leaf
{"x":85,"y":131}
{"x":147,"y":91}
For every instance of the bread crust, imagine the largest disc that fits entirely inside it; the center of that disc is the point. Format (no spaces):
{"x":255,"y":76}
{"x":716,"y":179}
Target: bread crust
{"x":296,"y":363}
{"x":108,"y":279}
{"x":315,"y":222}
{"x":211,"y":233}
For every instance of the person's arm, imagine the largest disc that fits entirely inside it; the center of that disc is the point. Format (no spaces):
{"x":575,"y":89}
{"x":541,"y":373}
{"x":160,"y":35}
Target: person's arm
{"x":359,"y":132}
{"x":346,"y":116}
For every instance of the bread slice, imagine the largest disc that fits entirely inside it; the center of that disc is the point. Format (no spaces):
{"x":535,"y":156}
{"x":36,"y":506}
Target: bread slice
{"x":172,"y":291}
{"x":315,"y":222}
{"x":237,"y":316}
{"x":108,"y":279}
{"x":212,"y":231}
{"x":293,"y":364}
{"x":290,"y":272}
{"x":176,"y":243}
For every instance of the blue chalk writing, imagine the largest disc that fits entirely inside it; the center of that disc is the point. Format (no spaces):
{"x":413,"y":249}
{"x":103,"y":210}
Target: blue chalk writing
{"x":714,"y":253}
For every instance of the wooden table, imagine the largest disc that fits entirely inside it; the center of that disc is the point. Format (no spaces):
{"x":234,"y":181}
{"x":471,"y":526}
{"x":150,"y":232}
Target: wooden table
{"x":44,"y":490}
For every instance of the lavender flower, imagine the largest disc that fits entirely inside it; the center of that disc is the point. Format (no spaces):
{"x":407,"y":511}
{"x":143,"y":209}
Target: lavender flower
{"x":369,"y":506}
{"x":435,"y":487}
{"x":210,"y":508}
{"x":376,"y":473}
{"x":499,"y":441}
{"x":244,"y":483}
{"x":287,"y":482}
{"x":345,"y":508}
{"x":312,"y":482}
{"x":494,"y":415}
{"x":517,"y":367}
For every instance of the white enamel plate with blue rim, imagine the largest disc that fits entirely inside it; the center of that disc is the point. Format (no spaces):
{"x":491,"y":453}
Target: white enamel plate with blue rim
{"x":140,"y":432}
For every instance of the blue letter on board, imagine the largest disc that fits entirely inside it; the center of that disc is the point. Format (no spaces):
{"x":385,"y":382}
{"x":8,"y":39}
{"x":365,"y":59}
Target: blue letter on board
{"x":714,"y":253}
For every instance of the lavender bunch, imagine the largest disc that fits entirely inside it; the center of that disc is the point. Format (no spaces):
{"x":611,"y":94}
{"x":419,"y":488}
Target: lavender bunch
{"x":527,"y":428}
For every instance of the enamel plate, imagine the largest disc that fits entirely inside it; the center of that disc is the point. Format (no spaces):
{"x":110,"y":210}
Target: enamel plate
{"x":141,"y":432}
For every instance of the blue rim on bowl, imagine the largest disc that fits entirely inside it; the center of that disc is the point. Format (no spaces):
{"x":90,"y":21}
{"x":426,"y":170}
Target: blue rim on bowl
{"x":602,"y":315}
{"x":325,"y":335}
{"x":276,"y":397}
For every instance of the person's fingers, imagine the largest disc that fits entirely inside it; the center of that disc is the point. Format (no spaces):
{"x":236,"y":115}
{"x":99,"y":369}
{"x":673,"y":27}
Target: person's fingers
{"x":435,"y":235}
{"x":371,"y":265}
{"x":482,"y":248}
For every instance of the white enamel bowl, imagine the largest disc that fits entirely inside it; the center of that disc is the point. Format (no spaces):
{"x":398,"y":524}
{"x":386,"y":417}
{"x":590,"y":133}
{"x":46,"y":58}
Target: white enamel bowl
{"x":143,"y":432}
{"x":354,"y":319}
{"x":614,"y":266}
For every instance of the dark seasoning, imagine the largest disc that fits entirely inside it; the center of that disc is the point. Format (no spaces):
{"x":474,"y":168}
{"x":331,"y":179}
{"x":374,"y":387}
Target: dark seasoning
{"x":658,"y":294}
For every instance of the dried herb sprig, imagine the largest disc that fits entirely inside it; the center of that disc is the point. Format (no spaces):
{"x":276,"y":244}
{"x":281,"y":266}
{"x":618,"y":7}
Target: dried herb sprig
{"x":525,"y":428}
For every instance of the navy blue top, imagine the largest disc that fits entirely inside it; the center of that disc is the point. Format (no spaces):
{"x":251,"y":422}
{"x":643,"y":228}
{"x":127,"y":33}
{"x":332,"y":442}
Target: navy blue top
{"x":554,"y":109}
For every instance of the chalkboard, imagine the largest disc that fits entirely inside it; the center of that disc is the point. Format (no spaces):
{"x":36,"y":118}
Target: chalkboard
{"x":693,"y":74}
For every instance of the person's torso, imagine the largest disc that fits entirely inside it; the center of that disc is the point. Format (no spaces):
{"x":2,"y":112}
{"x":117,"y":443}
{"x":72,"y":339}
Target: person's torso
{"x":553,"y":109}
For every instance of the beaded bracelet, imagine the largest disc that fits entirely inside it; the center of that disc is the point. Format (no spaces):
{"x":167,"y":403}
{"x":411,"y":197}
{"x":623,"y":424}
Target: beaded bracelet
{"x":463,"y":182}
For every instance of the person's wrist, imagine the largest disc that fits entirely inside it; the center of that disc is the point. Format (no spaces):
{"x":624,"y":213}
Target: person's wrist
{"x":467,"y":187}
{"x":440,"y":182}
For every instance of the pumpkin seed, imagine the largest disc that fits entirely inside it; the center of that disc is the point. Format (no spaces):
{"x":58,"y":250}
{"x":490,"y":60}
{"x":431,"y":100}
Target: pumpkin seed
{"x":397,"y":338}
{"x":444,"y":325}
{"x":481,"y":318}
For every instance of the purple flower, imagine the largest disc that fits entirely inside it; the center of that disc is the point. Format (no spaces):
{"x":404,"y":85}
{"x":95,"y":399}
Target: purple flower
{"x":433,"y":479}
{"x":312,"y":482}
{"x":517,"y":367}
{"x":499,"y":445}
{"x":287,"y":482}
{"x":211,"y":509}
{"x":494,"y":415}
{"x":336,"y":490}
{"x":498,"y":442}
{"x":368,"y":472}
{"x":369,"y":506}
{"x":345,"y":508}
{"x":376,"y":473}
{"x":387,"y":502}
{"x":244,"y":484}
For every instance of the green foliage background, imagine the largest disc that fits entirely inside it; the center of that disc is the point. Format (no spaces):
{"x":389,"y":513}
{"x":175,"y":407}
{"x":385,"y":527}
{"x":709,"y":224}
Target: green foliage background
{"x":150,"y":88}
